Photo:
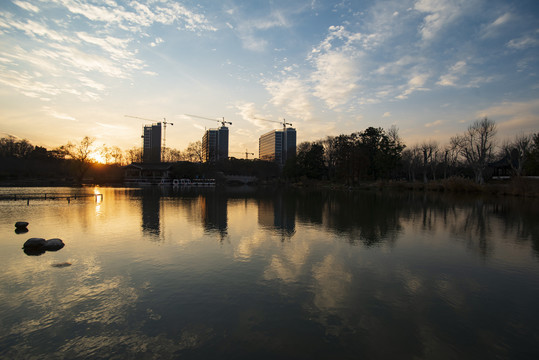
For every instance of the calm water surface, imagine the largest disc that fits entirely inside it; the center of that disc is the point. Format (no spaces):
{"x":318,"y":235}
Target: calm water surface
{"x":270,"y":274}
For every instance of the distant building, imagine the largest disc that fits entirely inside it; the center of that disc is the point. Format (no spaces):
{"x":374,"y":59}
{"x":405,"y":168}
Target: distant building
{"x":278,"y":145}
{"x":215,"y":144}
{"x":138,"y":174}
{"x":151,"y":149}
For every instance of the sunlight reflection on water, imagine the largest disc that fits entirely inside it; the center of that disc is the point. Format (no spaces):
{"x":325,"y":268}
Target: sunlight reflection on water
{"x":292,"y":274}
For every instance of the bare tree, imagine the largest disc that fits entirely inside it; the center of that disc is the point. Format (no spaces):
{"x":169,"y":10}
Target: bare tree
{"x":516,"y":152}
{"x":449,"y":159}
{"x":81,"y":154}
{"x":106,"y":153}
{"x":429,"y":151}
{"x":476,"y":146}
{"x":134,"y":155}
{"x":193,"y":152}
{"x":411,"y":158}
{"x":117,"y":155}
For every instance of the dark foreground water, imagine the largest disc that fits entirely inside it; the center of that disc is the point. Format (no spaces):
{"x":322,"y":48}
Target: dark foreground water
{"x":270,"y":275}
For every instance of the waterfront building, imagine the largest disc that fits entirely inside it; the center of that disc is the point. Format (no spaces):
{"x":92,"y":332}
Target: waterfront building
{"x":151,"y":149}
{"x":277,"y":145}
{"x":215,"y":144}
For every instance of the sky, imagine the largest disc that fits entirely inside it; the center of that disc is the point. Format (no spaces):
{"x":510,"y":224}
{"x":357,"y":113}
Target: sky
{"x":75,"y":68}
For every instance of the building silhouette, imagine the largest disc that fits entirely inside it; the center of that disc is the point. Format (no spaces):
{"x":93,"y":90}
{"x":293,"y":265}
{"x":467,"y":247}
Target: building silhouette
{"x":215,"y":144}
{"x":151,"y":148}
{"x":277,"y":145}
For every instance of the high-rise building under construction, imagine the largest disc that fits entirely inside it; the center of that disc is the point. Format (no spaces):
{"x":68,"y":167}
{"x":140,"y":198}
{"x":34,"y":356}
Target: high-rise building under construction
{"x":151,"y":149}
{"x":277,"y":145}
{"x":215,"y":144}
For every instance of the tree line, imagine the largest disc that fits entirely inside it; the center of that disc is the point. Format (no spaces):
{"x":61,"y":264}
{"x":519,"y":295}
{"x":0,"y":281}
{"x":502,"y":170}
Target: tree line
{"x":369,"y":155}
{"x":378,"y":154}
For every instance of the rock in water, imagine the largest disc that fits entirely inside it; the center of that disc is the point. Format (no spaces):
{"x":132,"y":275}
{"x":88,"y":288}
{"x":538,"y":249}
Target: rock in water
{"x":34,"y":243}
{"x":34,"y":246}
{"x":21,"y":224}
{"x":53,"y":244}
{"x":61,"y":265}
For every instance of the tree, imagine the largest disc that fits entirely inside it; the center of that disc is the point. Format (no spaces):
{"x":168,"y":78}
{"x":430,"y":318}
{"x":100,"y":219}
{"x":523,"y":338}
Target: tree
{"x":517,"y":152}
{"x":193,"y":153}
{"x":310,"y":160}
{"x":80,"y":153}
{"x":106,"y":153}
{"x":429,"y":151}
{"x":117,"y":155}
{"x":476,"y":146}
{"x":134,"y":155}
{"x":532,"y":165}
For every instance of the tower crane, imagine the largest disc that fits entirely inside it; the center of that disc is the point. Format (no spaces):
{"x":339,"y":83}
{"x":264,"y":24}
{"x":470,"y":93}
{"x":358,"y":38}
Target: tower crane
{"x":247,"y":153}
{"x":165,"y":122}
{"x":223,"y":122}
{"x":284,"y":123}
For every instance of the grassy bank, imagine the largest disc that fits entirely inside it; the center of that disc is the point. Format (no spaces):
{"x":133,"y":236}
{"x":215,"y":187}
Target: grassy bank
{"x":515,"y":187}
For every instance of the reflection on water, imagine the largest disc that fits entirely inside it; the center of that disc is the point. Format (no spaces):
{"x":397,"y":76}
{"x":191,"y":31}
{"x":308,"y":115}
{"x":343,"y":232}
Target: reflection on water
{"x":271,"y":274}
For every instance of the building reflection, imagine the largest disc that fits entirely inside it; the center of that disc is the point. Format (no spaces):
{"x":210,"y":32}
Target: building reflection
{"x":278,"y":214}
{"x":214,"y":211}
{"x":151,"y":211}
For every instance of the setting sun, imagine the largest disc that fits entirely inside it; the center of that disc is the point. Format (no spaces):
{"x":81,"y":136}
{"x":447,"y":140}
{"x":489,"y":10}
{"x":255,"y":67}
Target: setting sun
{"x":98,"y":158}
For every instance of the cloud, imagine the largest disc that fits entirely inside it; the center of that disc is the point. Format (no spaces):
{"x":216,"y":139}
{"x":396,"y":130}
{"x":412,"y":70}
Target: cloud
{"x":57,"y":115}
{"x":156,"y":42}
{"x":524,"y":42}
{"x":493,"y":28}
{"x":434,"y":123}
{"x":291,"y":94}
{"x":248,"y":112}
{"x":514,"y":117}
{"x":336,"y":77}
{"x":336,"y":63}
{"x":387,"y":114}
{"x":64,"y":60}
{"x":26,"y":6}
{"x":440,"y":14}
{"x":249,"y":29}
{"x":452,"y":76}
{"x":416,"y":83}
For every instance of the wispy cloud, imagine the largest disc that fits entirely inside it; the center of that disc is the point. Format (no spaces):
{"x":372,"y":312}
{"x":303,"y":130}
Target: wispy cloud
{"x":440,"y":14}
{"x":416,"y":83}
{"x":250,"y":30}
{"x":494,"y":27}
{"x":52,"y":112}
{"x":26,"y":6}
{"x":293,"y":95}
{"x":65,"y":60}
{"x":524,"y":42}
{"x":434,"y":123}
{"x":517,"y":116}
{"x":451,"y":78}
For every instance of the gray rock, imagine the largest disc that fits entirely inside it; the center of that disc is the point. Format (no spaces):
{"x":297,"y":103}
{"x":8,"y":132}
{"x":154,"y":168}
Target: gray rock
{"x":34,"y":243}
{"x":53,"y":244}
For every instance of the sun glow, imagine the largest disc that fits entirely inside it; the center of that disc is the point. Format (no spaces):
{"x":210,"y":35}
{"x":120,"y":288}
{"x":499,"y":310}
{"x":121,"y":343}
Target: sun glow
{"x":96,"y":157}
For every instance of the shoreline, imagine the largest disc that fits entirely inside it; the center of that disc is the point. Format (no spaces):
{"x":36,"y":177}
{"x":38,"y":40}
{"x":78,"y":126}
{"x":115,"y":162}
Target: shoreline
{"x":524,"y":187}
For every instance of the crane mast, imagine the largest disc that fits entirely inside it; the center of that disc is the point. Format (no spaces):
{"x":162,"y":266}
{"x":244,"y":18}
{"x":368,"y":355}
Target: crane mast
{"x":165,"y":122}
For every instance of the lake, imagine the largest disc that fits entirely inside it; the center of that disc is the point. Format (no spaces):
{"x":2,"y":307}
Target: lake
{"x":269,"y":274}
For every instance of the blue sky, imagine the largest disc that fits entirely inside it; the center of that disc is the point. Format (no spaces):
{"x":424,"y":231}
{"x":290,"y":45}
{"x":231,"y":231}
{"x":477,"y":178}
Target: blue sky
{"x":71,"y":68}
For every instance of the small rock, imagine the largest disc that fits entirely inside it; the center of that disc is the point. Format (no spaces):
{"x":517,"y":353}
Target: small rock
{"x":53,"y":244}
{"x":21,"y":224}
{"x":34,"y":243}
{"x":21,"y":230}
